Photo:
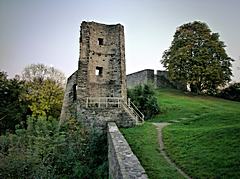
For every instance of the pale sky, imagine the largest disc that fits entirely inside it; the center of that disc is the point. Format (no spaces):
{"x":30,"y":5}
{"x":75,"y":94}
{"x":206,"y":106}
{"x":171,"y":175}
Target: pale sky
{"x":47,"y":31}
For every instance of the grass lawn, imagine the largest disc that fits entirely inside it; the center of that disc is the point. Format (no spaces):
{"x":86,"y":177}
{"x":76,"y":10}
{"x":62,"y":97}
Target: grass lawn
{"x":205,"y":142}
{"x":144,"y":143}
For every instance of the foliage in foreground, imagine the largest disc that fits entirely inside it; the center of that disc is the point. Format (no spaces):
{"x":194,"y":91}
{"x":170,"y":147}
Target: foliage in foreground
{"x":45,"y":150}
{"x":143,"y":96}
{"x":197,"y":57}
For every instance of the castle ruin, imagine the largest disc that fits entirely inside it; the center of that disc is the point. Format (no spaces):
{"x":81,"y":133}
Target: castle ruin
{"x":97,"y":92}
{"x":159,"y":80}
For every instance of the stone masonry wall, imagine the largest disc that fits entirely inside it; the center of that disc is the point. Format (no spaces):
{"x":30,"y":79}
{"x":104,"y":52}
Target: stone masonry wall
{"x":140,"y":77}
{"x":160,"y":80}
{"x":69,"y":102}
{"x":123,"y":164}
{"x":102,"y":50}
{"x":98,"y":118}
{"x":101,"y":73}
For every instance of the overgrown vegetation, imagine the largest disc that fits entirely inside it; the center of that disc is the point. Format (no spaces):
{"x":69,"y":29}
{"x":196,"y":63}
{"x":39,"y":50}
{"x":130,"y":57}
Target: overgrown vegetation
{"x":204,"y":139}
{"x":39,"y":147}
{"x":45,"y":150}
{"x":143,"y":96}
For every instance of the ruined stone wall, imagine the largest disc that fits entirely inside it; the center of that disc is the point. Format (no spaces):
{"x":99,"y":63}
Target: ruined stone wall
{"x":140,"y":77}
{"x":160,"y":80}
{"x":101,"y":73}
{"x":98,"y":118}
{"x":123,"y":164}
{"x":102,"y":51}
{"x":69,"y":102}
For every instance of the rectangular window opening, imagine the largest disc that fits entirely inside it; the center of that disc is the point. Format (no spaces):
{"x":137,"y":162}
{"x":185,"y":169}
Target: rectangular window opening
{"x":99,"y":71}
{"x":100,"y":41}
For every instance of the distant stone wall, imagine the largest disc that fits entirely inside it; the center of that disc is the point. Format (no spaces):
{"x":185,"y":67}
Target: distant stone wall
{"x":160,"y":79}
{"x":123,"y":164}
{"x":140,"y":77}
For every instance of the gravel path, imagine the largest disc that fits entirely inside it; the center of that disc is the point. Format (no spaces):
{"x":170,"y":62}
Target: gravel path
{"x":160,"y":126}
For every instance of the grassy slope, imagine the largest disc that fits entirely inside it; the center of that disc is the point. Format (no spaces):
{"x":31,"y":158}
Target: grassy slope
{"x":205,"y":142}
{"x":144,"y":143}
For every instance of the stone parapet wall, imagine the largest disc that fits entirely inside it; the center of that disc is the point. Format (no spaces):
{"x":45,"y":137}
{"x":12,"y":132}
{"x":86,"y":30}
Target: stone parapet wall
{"x":123,"y":164}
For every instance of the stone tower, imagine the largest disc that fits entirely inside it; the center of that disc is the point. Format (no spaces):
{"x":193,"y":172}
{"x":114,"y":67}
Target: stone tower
{"x":96,"y":93}
{"x":101,"y":69}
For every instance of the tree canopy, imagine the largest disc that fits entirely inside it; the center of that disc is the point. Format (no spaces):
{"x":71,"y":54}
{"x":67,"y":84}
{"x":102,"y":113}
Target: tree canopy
{"x":13,"y":111}
{"x":39,"y":92}
{"x":40,"y":72}
{"x":44,"y":98}
{"x":197,"y":57}
{"x":45,"y":91}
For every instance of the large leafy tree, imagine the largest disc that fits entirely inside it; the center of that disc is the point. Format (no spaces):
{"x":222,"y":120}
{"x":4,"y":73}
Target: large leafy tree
{"x":197,"y":57}
{"x":44,"y":89}
{"x":44,"y":98}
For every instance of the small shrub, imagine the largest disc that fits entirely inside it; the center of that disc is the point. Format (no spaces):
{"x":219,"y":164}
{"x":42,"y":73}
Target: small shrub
{"x":143,"y":96}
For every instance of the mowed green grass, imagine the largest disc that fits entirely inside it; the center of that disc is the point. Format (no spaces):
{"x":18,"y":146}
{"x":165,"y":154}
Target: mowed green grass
{"x":144,"y":143}
{"x":204,"y":139}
